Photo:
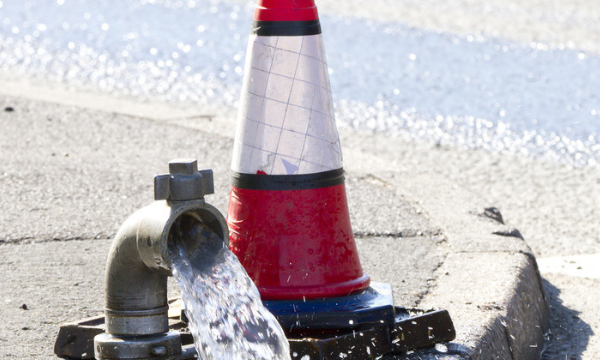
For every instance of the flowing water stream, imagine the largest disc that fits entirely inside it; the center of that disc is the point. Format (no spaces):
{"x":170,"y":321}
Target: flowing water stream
{"x":226,"y":316}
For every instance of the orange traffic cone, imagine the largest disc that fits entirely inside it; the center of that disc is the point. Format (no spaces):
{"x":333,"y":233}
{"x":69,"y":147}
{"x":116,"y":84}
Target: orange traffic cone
{"x":288,"y":214}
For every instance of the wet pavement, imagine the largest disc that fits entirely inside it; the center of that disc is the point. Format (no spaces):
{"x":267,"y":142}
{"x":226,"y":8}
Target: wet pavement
{"x":532,"y":96}
{"x":72,"y":175}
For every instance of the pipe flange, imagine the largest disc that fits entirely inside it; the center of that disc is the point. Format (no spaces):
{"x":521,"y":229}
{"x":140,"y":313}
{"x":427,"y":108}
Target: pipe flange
{"x":141,"y":322}
{"x":154,"y":224}
{"x":165,"y":346}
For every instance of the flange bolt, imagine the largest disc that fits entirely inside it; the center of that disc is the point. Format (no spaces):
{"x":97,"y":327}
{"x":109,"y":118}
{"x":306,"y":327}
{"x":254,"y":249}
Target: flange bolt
{"x":159,"y":351}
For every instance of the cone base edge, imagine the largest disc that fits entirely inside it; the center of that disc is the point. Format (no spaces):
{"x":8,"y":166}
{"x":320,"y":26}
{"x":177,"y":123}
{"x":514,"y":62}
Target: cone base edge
{"x":345,"y":288}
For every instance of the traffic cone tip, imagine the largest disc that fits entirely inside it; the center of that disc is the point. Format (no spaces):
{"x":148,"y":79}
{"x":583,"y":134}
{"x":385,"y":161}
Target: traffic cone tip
{"x":286,"y":10}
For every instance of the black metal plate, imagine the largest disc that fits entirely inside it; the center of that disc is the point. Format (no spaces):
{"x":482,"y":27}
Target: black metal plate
{"x":412,"y":329}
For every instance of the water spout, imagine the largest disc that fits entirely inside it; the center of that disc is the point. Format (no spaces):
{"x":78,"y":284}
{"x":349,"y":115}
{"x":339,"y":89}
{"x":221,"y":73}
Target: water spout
{"x":226,"y":316}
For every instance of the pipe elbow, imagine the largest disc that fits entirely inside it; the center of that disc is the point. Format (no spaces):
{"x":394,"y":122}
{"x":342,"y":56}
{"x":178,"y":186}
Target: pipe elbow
{"x":138,"y":265}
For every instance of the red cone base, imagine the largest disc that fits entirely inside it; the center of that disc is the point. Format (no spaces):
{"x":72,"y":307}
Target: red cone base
{"x":296,"y":244}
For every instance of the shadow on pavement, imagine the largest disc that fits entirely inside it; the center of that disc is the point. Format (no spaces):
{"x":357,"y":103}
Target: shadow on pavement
{"x":569,"y":335}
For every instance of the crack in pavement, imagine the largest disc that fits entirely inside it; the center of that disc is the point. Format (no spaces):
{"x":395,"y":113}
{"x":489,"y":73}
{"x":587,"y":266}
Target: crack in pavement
{"x":32,"y":240}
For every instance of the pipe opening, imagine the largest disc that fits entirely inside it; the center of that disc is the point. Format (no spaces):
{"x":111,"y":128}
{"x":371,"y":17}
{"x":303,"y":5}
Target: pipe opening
{"x":191,"y":237}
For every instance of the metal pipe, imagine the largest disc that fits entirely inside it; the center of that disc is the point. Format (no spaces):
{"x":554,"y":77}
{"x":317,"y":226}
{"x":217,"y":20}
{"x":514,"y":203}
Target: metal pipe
{"x":136,"y":295}
{"x":138,"y":265}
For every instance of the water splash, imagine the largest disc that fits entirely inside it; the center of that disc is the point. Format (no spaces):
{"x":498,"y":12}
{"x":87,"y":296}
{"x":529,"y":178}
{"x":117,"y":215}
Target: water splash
{"x":226,"y":316}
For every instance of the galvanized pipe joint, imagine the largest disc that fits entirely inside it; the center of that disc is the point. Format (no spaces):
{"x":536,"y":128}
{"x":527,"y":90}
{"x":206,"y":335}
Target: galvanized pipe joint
{"x":138,"y":266}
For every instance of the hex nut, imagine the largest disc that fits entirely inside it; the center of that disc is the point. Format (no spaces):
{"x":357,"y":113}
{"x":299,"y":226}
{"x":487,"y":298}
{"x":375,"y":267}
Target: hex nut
{"x":159,"y":351}
{"x":184,"y":182}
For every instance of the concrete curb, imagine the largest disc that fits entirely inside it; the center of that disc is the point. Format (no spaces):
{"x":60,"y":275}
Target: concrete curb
{"x":489,"y":282}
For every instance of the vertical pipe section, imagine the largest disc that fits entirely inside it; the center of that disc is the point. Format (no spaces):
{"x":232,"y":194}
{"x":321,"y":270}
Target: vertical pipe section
{"x":136,"y":295}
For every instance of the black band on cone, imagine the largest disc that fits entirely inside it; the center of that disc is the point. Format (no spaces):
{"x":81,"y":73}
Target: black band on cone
{"x":287,"y":182}
{"x":286,"y":28}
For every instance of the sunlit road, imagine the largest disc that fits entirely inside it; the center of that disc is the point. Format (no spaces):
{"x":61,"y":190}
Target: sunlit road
{"x":510,"y":77}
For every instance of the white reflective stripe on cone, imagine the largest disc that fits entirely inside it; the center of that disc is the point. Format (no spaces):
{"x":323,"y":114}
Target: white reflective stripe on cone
{"x":286,"y":123}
